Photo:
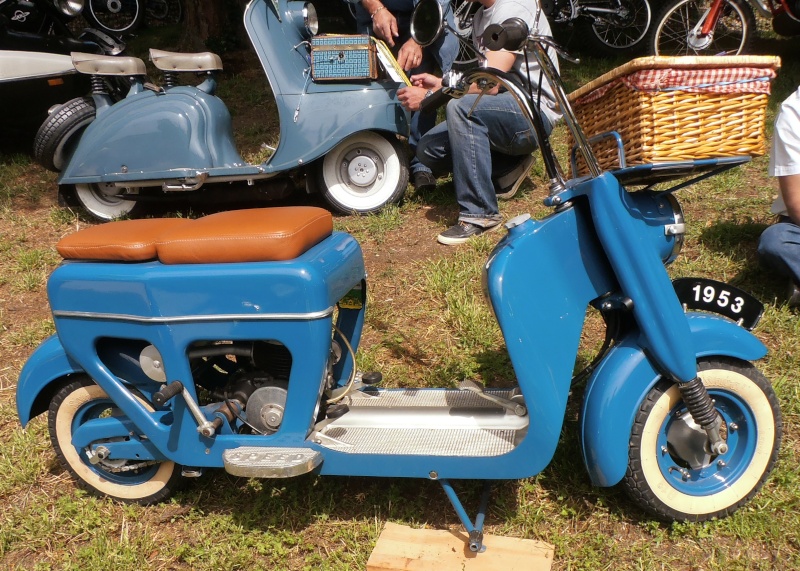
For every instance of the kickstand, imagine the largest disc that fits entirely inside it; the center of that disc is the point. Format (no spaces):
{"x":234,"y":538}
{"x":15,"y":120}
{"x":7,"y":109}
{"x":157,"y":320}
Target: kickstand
{"x":475,"y":530}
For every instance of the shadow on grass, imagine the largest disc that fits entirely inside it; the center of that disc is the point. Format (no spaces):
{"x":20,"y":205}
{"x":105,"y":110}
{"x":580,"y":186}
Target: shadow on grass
{"x":739,"y":242}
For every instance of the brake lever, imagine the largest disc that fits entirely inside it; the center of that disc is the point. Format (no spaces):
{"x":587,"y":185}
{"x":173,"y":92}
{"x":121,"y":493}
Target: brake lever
{"x":550,"y":42}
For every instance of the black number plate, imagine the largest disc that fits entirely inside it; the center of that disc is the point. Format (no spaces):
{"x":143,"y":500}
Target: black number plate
{"x":720,"y":298}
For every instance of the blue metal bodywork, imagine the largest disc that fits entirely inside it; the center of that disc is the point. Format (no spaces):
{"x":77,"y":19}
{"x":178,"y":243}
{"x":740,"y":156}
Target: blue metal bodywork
{"x":539,"y":279}
{"x":183,"y":132}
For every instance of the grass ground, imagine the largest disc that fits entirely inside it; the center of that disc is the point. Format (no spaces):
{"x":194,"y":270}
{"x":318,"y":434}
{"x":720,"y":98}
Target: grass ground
{"x":427,"y":325}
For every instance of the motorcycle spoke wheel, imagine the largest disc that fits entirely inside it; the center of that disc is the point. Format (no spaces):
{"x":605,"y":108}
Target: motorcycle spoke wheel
{"x":168,"y":11}
{"x":80,"y":402}
{"x":463,"y":11}
{"x":674,"y":32}
{"x":362,"y":174}
{"x":115,"y":16}
{"x":671,"y":471}
{"x":625,"y":30}
{"x":103,"y":202}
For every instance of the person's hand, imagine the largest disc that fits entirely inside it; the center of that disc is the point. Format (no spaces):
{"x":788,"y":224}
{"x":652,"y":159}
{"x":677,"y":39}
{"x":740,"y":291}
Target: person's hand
{"x":410,"y":55}
{"x":384,"y":26}
{"x":426,"y":81}
{"x":411,"y":97}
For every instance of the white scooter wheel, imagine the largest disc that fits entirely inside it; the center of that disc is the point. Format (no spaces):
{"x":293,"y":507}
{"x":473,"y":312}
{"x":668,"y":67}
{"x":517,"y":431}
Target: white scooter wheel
{"x":82,"y":401}
{"x":671,"y":471}
{"x":103,"y":202}
{"x":362,"y":174}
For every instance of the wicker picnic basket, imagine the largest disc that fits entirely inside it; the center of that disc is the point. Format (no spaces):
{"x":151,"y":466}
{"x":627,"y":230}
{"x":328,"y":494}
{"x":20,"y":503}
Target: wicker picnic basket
{"x":678,"y":108}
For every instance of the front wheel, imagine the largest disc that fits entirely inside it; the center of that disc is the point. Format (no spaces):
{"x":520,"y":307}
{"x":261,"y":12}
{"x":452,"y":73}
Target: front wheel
{"x":624,"y":29}
{"x":671,"y":471}
{"x":362,"y":174}
{"x":81,"y":402}
{"x":677,"y":29}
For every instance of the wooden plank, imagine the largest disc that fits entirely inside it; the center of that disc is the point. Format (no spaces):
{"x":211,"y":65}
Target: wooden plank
{"x":401,"y":548}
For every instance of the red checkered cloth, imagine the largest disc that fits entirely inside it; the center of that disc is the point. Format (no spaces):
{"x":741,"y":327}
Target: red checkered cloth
{"x":719,"y":80}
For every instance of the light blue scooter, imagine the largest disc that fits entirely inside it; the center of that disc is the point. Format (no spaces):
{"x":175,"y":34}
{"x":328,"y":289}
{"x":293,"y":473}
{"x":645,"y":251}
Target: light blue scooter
{"x":173,"y":139}
{"x":231,"y":342}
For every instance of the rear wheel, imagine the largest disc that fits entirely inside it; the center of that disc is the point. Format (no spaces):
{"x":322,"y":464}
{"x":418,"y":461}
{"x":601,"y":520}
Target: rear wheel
{"x":676,"y":29}
{"x":362,"y":174}
{"x":78,"y":404}
{"x":671,"y":471}
{"x":103,"y":201}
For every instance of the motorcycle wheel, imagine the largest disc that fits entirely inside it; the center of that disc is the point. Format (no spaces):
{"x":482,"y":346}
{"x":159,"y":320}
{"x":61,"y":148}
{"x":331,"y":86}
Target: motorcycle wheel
{"x":670,"y":471}
{"x":362,"y":174}
{"x":673,"y":33}
{"x":60,"y":132}
{"x":169,"y":11}
{"x":115,"y":16}
{"x":463,"y":11}
{"x":80,"y":402}
{"x":625,"y":31}
{"x":102,"y":202}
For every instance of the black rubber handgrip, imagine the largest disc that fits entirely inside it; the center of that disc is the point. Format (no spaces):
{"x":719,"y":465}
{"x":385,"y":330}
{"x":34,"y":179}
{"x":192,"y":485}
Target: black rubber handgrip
{"x":162,"y":396}
{"x":510,"y":35}
{"x":434,"y":101}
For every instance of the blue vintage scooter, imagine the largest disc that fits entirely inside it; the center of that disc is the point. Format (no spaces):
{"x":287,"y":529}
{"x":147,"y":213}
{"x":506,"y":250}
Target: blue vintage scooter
{"x":231,"y":342}
{"x":175,"y":139}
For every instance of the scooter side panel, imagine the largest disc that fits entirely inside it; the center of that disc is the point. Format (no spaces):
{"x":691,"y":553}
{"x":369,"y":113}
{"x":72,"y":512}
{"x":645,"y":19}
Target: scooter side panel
{"x":621,"y":382}
{"x":172,"y":307}
{"x":314,"y":117}
{"x":311,"y":283}
{"x":540,"y":279}
{"x":47,"y":364}
{"x":149,"y":133}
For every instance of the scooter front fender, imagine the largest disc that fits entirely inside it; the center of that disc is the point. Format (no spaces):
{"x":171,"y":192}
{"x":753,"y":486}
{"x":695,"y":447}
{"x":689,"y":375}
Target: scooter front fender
{"x":37,"y":381}
{"x":621,"y":382}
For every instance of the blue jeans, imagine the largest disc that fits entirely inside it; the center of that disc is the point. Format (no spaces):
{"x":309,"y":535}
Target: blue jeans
{"x":779,"y":248}
{"x":441,"y":53}
{"x":478,"y":147}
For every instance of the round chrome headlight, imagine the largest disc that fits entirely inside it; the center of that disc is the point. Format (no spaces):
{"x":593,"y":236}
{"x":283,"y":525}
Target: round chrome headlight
{"x":310,"y":20}
{"x":663,"y":216}
{"x":69,"y":8}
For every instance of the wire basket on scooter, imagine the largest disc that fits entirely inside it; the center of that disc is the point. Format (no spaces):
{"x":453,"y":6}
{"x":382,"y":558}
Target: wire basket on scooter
{"x":678,"y":108}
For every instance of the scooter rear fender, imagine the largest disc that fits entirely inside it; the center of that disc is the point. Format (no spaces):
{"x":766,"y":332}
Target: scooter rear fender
{"x":151,"y":135}
{"x":621,"y":382}
{"x":38,"y":379}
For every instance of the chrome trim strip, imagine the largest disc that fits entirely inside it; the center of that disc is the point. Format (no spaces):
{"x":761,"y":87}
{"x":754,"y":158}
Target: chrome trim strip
{"x":197,"y":318}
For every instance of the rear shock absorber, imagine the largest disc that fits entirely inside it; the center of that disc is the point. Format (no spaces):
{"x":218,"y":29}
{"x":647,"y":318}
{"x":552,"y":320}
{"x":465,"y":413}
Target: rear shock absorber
{"x":701,"y":407}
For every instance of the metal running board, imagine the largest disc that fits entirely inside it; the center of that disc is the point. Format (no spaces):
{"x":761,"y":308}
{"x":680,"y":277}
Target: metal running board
{"x":259,"y":462}
{"x":427,"y":422}
{"x":421,"y":441}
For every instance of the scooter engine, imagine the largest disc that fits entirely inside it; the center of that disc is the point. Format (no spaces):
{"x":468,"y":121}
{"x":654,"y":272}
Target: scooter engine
{"x":264,"y":409}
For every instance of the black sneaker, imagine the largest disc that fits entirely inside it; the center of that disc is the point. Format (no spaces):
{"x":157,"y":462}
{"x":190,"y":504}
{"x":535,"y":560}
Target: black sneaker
{"x":507,"y":185}
{"x":424,"y":181}
{"x":793,"y":294}
{"x":462,"y":232}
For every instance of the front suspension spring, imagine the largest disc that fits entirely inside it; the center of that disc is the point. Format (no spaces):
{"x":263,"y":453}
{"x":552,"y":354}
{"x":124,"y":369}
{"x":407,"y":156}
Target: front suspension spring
{"x":699,"y":403}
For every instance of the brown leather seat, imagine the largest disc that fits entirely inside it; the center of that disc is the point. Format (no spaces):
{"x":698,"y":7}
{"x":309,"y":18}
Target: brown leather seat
{"x":124,"y":241}
{"x":262,"y":234}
